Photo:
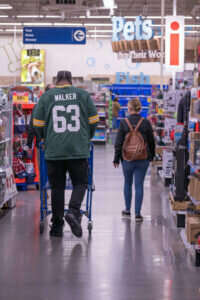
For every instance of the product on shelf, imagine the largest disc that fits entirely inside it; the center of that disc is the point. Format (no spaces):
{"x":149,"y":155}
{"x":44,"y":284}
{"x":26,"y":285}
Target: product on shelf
{"x":194,"y":148}
{"x":7,"y":184}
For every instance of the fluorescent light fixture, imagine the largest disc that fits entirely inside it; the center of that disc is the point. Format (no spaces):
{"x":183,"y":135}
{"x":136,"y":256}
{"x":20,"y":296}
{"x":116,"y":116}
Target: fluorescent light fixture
{"x":1,"y":29}
{"x":100,"y":35}
{"x":38,"y":24}
{"x":3,"y":16}
{"x":99,"y":17}
{"x":82,"y":17}
{"x":14,"y":30}
{"x":11,"y":24}
{"x":5,"y":6}
{"x":30,"y":16}
{"x":130,"y":17}
{"x":97,"y":24}
{"x":192,"y":25}
{"x":109,"y":4}
{"x":68,"y":24}
{"x":52,"y":17}
{"x":99,"y":30}
{"x":192,"y":31}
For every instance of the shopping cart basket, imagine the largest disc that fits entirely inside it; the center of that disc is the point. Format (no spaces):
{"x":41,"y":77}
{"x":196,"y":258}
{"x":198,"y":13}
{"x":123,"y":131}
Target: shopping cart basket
{"x":45,"y":204}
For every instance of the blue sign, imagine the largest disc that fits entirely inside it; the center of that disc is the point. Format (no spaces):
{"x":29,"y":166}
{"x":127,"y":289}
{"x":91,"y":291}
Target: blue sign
{"x":54,"y":35}
{"x":138,"y":30}
{"x":129,"y":79}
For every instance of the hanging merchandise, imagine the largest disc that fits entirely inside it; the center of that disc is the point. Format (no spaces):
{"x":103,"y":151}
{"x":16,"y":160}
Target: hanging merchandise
{"x":30,"y":171}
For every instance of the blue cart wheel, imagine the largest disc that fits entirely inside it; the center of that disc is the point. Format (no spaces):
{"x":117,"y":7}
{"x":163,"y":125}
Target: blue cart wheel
{"x":41,"y":227}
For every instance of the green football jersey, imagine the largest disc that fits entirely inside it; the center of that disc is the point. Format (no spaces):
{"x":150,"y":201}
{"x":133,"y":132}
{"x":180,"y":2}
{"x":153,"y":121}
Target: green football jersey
{"x":66,"y":118}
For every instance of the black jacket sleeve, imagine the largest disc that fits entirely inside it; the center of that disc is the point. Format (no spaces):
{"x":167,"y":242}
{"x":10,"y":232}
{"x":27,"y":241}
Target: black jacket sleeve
{"x":151,"y":141}
{"x":119,"y":143}
{"x":31,"y":131}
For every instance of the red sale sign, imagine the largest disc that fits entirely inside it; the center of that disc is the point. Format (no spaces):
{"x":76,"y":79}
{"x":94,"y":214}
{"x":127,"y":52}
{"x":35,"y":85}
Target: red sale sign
{"x":174,"y":43}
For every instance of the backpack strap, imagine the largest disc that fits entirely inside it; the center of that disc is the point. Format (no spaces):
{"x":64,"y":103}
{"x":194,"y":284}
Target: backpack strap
{"x":138,"y":124}
{"x":129,"y":124}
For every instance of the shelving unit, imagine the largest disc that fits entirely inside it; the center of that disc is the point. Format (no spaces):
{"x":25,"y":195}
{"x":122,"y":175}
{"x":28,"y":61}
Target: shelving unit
{"x":8,"y":189}
{"x":27,"y":108}
{"x":101,"y":100}
{"x":125,"y":92}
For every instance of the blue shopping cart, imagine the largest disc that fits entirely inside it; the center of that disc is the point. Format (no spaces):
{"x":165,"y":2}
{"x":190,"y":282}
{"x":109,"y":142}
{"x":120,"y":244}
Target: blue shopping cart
{"x":44,"y":186}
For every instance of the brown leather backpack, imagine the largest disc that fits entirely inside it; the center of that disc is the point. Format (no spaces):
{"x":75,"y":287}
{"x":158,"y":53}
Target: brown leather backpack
{"x":134,"y":147}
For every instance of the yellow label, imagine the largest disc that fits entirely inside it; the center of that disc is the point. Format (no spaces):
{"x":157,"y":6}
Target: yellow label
{"x":160,"y":111}
{"x":20,"y":97}
{"x":149,"y":100}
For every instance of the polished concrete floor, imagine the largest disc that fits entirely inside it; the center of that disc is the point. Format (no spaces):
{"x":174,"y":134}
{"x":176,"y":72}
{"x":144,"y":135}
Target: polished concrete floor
{"x":121,"y":261}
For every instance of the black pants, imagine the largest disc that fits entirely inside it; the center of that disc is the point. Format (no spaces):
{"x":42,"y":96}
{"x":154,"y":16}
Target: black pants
{"x":78,"y":172}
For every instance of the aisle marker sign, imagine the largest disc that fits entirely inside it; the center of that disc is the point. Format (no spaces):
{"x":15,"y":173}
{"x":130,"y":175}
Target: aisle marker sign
{"x":174,"y":43}
{"x":54,"y":35}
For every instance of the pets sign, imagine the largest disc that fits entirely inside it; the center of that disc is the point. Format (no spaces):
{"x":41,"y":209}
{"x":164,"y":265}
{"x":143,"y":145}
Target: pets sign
{"x":174,"y":43}
{"x":33,"y":67}
{"x":137,"y":30}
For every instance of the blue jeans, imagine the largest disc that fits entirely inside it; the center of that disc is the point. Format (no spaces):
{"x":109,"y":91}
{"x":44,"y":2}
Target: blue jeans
{"x":139,"y":169}
{"x":114,"y":122}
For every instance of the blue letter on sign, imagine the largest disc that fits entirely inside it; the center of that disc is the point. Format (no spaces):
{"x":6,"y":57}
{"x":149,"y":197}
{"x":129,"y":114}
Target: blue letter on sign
{"x":118,"y":25}
{"x":120,"y":77}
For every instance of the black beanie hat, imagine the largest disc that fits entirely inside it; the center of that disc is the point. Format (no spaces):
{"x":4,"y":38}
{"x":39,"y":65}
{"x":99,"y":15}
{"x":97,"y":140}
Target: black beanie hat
{"x":64,"y":75}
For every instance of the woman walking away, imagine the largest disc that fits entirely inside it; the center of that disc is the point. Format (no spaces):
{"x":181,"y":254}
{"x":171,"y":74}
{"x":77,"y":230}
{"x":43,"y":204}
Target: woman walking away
{"x":135,"y":147}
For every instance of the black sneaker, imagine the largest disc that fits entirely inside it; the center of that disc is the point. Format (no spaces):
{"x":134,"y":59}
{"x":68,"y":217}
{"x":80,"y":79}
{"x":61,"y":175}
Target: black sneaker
{"x":126,"y":213}
{"x":74,"y":224}
{"x":138,"y":218}
{"x":57,"y":229}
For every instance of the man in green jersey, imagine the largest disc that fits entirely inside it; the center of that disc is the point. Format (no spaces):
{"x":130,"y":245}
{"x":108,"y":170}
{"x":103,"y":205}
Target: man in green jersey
{"x":66,"y":118}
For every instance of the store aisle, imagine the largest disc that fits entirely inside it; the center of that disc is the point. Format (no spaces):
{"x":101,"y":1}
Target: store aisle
{"x":121,"y":261}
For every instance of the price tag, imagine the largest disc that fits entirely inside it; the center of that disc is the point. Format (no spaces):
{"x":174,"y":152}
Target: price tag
{"x":160,"y":111}
{"x":20,"y":97}
{"x":149,"y":100}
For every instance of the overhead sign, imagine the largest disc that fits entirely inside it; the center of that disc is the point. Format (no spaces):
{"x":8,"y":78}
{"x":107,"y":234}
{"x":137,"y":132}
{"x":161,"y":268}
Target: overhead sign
{"x":54,"y":35}
{"x":126,"y":78}
{"x":138,"y":30}
{"x":174,"y":43}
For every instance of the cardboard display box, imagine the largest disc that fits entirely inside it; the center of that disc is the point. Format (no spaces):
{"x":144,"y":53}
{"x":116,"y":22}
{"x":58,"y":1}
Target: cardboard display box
{"x":192,"y":229}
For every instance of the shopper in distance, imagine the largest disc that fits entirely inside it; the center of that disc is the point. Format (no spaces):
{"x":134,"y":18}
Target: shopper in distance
{"x":135,"y":148}
{"x":66,"y":118}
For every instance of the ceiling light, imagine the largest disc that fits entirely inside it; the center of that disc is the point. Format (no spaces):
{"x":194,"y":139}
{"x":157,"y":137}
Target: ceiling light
{"x":191,"y":31}
{"x":97,"y":24}
{"x":30,"y":16}
{"x":3,"y":16}
{"x":14,"y":30}
{"x":14,"y":24}
{"x":38,"y":24}
{"x":68,"y":24}
{"x":99,"y":30}
{"x":5,"y":6}
{"x":109,"y":4}
{"x":52,"y":17}
{"x":82,"y":17}
{"x":99,"y":17}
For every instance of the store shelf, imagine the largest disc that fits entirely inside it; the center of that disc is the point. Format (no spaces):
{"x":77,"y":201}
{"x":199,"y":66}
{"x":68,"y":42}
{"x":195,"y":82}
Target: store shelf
{"x":99,"y":104}
{"x":98,"y":140}
{"x":5,"y":141}
{"x":5,"y":110}
{"x":101,"y":126}
{"x":102,"y":115}
{"x":26,"y":105}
